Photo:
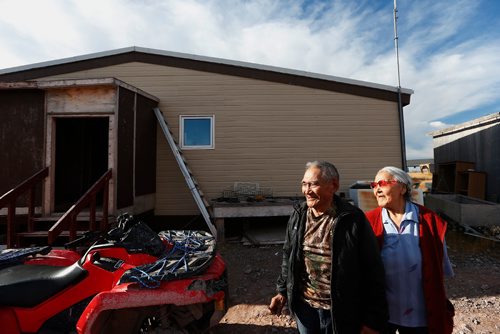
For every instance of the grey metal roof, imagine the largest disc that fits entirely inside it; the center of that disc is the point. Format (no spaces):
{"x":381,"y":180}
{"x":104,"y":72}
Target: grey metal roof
{"x":491,"y":118}
{"x":416,"y":162}
{"x":205,"y":59}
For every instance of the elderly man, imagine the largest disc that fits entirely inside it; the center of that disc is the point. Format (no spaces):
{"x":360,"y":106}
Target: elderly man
{"x":332,"y":277}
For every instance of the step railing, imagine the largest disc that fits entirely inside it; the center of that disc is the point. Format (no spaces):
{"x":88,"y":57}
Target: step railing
{"x":68,"y":221}
{"x":9,"y":200}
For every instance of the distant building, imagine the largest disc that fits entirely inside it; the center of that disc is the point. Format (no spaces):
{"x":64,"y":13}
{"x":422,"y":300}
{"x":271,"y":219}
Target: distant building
{"x":467,"y":158}
{"x":420,"y":165}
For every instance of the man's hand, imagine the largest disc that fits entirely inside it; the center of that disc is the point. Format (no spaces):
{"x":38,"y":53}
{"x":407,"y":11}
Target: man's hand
{"x":277,"y":303}
{"x":368,"y":330}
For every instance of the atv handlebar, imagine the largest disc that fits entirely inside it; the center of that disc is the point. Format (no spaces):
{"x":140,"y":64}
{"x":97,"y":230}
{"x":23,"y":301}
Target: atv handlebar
{"x":89,"y":236}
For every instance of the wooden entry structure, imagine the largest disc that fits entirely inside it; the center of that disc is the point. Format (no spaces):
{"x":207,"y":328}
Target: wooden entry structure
{"x":34,"y":116}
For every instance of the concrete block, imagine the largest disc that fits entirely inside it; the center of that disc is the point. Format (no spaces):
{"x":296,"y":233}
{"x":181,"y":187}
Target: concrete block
{"x":464,"y":210}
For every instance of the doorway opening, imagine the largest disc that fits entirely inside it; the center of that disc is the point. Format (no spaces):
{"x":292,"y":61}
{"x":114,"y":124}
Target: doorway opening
{"x":81,"y":158}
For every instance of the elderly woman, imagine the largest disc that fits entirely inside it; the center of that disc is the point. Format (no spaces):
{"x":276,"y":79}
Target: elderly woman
{"x":413,"y":250}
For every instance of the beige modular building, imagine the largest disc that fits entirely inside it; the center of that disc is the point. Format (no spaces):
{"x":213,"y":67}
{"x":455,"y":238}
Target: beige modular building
{"x":236,"y":124}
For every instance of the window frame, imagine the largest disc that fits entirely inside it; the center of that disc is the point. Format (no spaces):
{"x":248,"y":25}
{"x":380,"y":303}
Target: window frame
{"x":183,"y":146}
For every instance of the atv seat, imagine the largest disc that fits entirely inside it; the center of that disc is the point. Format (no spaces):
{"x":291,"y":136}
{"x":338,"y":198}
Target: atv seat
{"x":29,"y":285}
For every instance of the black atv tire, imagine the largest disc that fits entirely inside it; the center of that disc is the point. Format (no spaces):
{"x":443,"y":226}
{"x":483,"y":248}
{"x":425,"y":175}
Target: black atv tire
{"x":162,"y":319}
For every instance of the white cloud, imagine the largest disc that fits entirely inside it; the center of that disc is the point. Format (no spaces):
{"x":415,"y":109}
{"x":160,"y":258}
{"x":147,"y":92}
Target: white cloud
{"x":450,"y":67}
{"x":438,"y":125}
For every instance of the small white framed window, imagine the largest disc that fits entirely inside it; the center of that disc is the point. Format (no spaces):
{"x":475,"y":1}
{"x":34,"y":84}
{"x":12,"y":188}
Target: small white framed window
{"x":197,"y":132}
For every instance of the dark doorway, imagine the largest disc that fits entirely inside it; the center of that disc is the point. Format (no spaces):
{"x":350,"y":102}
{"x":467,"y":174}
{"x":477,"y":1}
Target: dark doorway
{"x":81,"y":157}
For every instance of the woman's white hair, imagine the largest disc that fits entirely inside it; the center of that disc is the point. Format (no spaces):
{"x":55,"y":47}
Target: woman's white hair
{"x":400,"y":176}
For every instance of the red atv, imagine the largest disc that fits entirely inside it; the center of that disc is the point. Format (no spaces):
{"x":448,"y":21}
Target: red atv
{"x":130,"y":280}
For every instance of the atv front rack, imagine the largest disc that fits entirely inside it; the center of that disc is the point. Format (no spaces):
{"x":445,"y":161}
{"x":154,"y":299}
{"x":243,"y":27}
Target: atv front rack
{"x":188,"y":253}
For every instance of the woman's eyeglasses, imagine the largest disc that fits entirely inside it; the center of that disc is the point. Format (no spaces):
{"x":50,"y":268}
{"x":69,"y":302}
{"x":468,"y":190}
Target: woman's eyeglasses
{"x":382,"y":183}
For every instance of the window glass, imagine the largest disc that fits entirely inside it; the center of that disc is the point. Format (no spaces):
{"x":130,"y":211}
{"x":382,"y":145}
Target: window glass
{"x":196,"y":132}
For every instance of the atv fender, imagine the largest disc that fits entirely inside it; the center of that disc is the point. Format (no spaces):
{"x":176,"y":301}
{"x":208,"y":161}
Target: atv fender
{"x":132,"y":295}
{"x":8,"y":320}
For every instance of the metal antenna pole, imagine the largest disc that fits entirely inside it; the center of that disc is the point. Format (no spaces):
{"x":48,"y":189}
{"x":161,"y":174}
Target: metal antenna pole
{"x":400,"y":107}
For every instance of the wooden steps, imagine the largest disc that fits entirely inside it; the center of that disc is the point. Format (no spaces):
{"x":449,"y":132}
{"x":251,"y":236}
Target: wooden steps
{"x":28,"y":239}
{"x":84,"y":215}
{"x":41,"y":226}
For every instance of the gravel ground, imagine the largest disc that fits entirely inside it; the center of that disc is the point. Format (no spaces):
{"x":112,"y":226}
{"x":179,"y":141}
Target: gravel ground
{"x":474,"y":291}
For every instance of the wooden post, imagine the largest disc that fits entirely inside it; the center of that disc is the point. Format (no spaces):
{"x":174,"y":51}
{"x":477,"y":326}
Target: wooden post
{"x":11,"y":226}
{"x":31,"y":209}
{"x":92,"y":226}
{"x":219,"y":224}
{"x":105,"y":203}
{"x":72,"y":227}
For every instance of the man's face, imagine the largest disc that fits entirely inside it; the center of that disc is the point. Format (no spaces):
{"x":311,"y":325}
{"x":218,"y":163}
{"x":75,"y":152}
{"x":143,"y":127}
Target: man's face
{"x":318,"y":193}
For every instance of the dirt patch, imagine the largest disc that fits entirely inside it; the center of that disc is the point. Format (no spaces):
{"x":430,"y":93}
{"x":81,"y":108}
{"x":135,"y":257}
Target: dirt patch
{"x":252,"y":273}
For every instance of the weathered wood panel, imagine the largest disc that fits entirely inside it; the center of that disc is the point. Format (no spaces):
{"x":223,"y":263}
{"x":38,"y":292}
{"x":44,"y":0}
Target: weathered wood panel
{"x":125,"y":149}
{"x":21,"y":135}
{"x":82,"y":100}
{"x":145,"y":149}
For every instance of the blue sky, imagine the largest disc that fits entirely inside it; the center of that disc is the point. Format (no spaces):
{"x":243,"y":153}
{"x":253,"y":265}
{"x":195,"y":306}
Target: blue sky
{"x":449,"y":49}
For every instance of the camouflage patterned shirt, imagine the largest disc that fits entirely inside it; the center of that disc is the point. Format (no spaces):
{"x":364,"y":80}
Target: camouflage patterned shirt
{"x":317,"y":259}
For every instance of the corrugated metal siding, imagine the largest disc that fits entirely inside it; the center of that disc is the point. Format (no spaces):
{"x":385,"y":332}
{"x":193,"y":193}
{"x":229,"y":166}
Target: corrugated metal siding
{"x":265,"y":132}
{"x":480,"y":145}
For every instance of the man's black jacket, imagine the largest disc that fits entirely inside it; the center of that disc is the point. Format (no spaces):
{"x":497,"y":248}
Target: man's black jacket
{"x":357,"y":280}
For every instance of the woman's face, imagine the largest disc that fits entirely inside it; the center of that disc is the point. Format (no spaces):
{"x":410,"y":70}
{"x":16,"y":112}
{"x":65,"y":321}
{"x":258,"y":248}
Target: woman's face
{"x":391,"y":195}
